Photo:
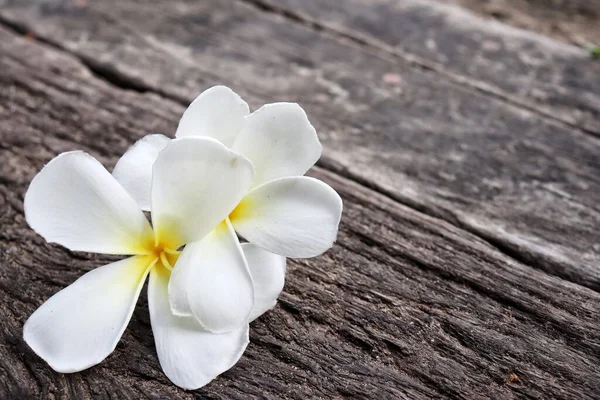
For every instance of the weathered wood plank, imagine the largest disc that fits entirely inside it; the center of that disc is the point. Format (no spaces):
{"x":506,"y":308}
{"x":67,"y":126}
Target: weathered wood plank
{"x":404,"y":306}
{"x":573,"y":21}
{"x":553,"y":78}
{"x":523,"y":182}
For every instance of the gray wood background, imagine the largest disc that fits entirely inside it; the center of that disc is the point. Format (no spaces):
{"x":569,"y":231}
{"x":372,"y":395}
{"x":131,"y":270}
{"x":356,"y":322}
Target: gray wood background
{"x":467,"y":153}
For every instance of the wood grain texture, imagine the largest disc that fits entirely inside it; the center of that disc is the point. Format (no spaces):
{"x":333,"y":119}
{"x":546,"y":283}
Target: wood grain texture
{"x":555,"y":79}
{"x":574,"y":21}
{"x":404,"y":306}
{"x":524,"y":182}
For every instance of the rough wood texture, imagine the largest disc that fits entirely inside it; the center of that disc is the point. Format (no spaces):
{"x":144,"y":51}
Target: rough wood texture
{"x":555,"y":79}
{"x":406,"y":305}
{"x":513,"y":176}
{"x":575,"y":21}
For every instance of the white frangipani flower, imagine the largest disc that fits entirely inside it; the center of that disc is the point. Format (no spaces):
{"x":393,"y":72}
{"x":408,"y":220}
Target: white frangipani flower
{"x":284,"y":213}
{"x":196,"y":183}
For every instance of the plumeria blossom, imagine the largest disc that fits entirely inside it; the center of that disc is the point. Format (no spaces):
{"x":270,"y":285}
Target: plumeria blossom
{"x":228,"y":172}
{"x":284,"y":214}
{"x":195,"y":184}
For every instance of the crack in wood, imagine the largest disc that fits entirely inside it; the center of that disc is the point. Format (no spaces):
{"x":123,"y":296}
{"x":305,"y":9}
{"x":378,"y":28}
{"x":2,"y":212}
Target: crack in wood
{"x":101,"y":71}
{"x":414,"y":60}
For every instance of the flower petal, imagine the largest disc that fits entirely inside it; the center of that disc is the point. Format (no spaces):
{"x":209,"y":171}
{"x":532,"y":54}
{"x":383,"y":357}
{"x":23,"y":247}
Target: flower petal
{"x":74,"y":201}
{"x":280,"y":141}
{"x":214,"y":276}
{"x":196,"y":182}
{"x":217,"y":112}
{"x":134,"y":168}
{"x":80,"y":326}
{"x":268,"y":275}
{"x":294,"y":217}
{"x":190,"y":356}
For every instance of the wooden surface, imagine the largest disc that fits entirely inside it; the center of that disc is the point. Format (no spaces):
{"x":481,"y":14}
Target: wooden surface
{"x":573,"y":21}
{"x":468,"y":259}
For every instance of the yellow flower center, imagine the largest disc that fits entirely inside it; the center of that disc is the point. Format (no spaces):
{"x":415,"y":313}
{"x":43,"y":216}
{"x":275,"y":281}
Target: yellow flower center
{"x":161,"y":253}
{"x":167,"y":257}
{"x":243,"y":210}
